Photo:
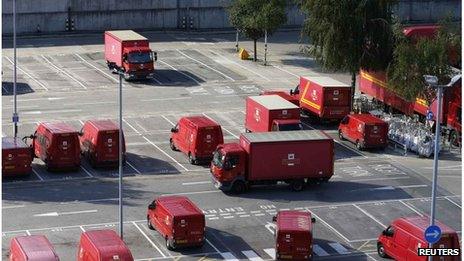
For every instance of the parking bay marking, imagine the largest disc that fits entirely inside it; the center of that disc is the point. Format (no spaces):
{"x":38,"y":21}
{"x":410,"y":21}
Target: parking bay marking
{"x":221,"y":73}
{"x":98,"y":69}
{"x":64,"y":72}
{"x":148,"y":239}
{"x":26,"y":73}
{"x":56,"y":214}
{"x":252,"y":255}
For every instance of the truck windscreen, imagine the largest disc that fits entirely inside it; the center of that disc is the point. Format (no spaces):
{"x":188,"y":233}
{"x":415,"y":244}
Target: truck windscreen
{"x":290,"y":127}
{"x":218,"y":159}
{"x":140,"y":57}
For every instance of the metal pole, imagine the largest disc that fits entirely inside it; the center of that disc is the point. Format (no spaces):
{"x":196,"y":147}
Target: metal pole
{"x":265,"y":47}
{"x":435,"y":159}
{"x":236,"y":40}
{"x":120,"y":157}
{"x":15,"y":108}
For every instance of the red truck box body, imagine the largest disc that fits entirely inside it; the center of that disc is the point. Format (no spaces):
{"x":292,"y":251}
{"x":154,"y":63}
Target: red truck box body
{"x":325,"y":97}
{"x":16,"y":157}
{"x":288,"y":155}
{"x":32,"y":248}
{"x":291,"y":98}
{"x":196,"y":136}
{"x":117,"y":41}
{"x":178,"y":220}
{"x":100,"y":142}
{"x":294,"y":235}
{"x":102,"y":245}
{"x":408,"y":235}
{"x":262,"y":110}
{"x":57,"y":144}
{"x":365,"y":130}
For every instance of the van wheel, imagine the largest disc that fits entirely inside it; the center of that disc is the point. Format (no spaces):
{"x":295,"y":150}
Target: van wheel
{"x":340,"y":135}
{"x":171,"y":144}
{"x":297,"y":184}
{"x":149,"y":225}
{"x":170,"y":244}
{"x":381,"y":251}
{"x":239,"y":187}
{"x":191,"y":159}
{"x":359,"y":146}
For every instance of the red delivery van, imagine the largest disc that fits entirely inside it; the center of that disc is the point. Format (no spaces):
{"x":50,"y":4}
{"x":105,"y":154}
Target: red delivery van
{"x":196,"y":136}
{"x":325,"y":97}
{"x":264,"y":158}
{"x":99,"y":140}
{"x":289,"y":97}
{"x":32,"y":248}
{"x":405,"y":235}
{"x":102,"y":245}
{"x":128,"y":51}
{"x":178,"y":220}
{"x":16,"y":157}
{"x":57,"y":144}
{"x":271,"y":113}
{"x":293,"y":235}
{"x":364,"y":130}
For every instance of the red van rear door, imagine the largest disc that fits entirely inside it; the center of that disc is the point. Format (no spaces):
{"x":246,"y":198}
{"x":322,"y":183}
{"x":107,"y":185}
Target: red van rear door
{"x":108,"y":146}
{"x":374,"y":134}
{"x":187,"y":228}
{"x":207,"y":140}
{"x":285,"y":248}
{"x":66,"y":146}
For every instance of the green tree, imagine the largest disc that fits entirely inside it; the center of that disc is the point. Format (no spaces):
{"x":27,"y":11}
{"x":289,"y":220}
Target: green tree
{"x":418,"y":56}
{"x":254,"y":17}
{"x":348,"y":35}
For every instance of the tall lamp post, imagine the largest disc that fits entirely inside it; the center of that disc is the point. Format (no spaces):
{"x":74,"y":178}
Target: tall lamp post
{"x":120,"y":157}
{"x":15,"y":107}
{"x":432,"y":81}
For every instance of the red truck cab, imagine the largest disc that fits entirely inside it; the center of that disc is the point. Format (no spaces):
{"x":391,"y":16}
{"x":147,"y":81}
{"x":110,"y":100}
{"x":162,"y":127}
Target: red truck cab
{"x":102,"y":245}
{"x":16,"y":157}
{"x":364,"y":130}
{"x":271,"y":113}
{"x":179,"y":221}
{"x":129,"y":52}
{"x":57,"y":144}
{"x":405,"y":235}
{"x":196,"y":136}
{"x":293,"y":235}
{"x":32,"y":248}
{"x":99,"y":141}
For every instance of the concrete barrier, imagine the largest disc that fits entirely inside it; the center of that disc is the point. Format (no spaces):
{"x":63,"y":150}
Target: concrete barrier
{"x":49,"y":16}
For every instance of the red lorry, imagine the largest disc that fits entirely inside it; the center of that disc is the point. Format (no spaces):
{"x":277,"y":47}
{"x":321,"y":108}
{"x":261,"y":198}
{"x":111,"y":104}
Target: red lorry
{"x":16,"y":157}
{"x":402,"y":239}
{"x":271,"y":113}
{"x":291,"y":98}
{"x":364,"y":130}
{"x":29,"y":248}
{"x":264,"y":158}
{"x":179,"y":221}
{"x":102,"y":245}
{"x":128,"y":52}
{"x":294,"y":235}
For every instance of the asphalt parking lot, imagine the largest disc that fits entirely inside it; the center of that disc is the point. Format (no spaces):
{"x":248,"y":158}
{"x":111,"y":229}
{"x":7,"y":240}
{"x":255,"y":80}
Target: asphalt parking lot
{"x":66,"y":79}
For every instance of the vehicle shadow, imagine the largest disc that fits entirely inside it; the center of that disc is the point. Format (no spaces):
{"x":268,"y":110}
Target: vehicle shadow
{"x":168,"y":77}
{"x":21,"y":88}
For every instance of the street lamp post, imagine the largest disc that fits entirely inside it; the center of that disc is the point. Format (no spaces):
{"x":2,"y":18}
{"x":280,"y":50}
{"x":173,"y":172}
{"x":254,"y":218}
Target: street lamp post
{"x":433,"y":82}
{"x":15,"y":108}
{"x":120,"y":158}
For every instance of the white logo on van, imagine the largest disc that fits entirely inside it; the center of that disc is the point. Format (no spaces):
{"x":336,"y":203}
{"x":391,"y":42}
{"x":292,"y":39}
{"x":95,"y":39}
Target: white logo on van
{"x":113,"y":49}
{"x":284,"y":112}
{"x":314,"y":95}
{"x":291,"y":156}
{"x":115,"y":257}
{"x":257,"y":115}
{"x":336,"y":92}
{"x":110,"y":140}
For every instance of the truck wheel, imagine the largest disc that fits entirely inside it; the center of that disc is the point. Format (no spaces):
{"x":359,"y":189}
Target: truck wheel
{"x":297,"y":185}
{"x":340,"y":135}
{"x":149,"y":225}
{"x":359,"y":146}
{"x":192,"y":159}
{"x":171,"y":144}
{"x":381,"y":251}
{"x":238,"y":187}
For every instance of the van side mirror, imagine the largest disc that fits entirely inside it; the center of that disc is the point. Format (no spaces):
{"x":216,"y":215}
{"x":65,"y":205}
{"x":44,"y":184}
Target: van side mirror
{"x":152,"y":206}
{"x":274,"y":218}
{"x":313,"y":220}
{"x":124,"y":57}
{"x":384,"y":232}
{"x":155,"y":56}
{"x":174,"y":130}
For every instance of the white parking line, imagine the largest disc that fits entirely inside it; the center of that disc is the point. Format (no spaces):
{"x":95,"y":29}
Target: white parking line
{"x":140,"y":126}
{"x":37,"y":174}
{"x":228,"y":256}
{"x":26,"y":73}
{"x":211,"y":68}
{"x":193,"y":193}
{"x":252,"y":255}
{"x":244,"y":67}
{"x":130,"y":165}
{"x":369,"y":215}
{"x":270,"y":252}
{"x":164,"y":117}
{"x":64,"y":72}
{"x":167,"y":155}
{"x":98,"y":69}
{"x":339,"y":248}
{"x":181,"y":72}
{"x":319,"y":250}
{"x":411,"y":208}
{"x":87,"y":172}
{"x":413,"y":186}
{"x":148,"y":239}
{"x":10,"y":207}
{"x":132,"y":127}
{"x":196,"y":183}
{"x":28,"y":233}
{"x":228,"y":131}
{"x":452,"y":202}
{"x":82,"y":228}
{"x":329,"y":226}
{"x":282,"y":69}
{"x":167,"y":99}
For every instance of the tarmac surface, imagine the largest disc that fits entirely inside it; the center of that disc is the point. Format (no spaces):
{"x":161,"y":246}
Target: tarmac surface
{"x":66,"y":79}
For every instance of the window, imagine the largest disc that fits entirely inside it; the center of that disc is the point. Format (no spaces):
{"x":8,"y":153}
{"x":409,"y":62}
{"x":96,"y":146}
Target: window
{"x":389,"y":231}
{"x":345,"y":120}
{"x":140,"y":57}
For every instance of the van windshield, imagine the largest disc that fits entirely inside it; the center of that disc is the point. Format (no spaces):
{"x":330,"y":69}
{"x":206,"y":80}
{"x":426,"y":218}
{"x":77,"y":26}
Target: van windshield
{"x":140,"y":57}
{"x":218,"y":159}
{"x":290,"y":127}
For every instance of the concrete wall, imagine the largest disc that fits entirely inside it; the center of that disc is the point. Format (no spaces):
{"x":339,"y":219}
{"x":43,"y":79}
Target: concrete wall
{"x":49,"y":16}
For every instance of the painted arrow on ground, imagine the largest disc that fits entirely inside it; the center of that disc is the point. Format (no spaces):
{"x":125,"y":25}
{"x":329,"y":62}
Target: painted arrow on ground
{"x":56,"y":214}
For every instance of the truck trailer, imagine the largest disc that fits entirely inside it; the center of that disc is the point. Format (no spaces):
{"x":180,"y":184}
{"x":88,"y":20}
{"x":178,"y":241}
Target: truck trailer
{"x":128,"y":52}
{"x":265,"y":158}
